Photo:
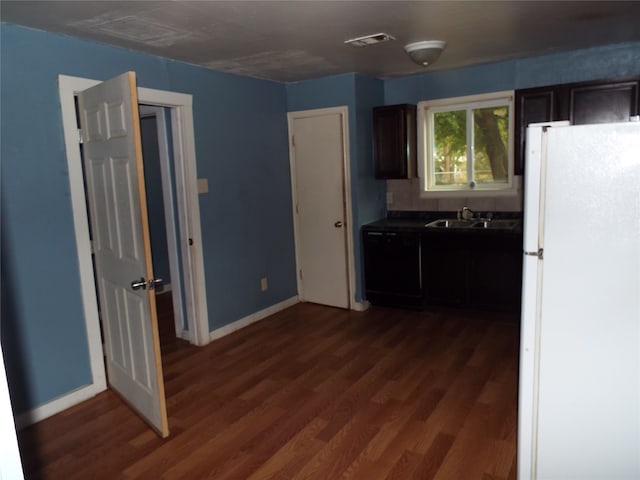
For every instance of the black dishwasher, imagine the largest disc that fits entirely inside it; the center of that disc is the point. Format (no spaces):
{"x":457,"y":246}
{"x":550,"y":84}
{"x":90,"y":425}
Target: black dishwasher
{"x":392,"y":268}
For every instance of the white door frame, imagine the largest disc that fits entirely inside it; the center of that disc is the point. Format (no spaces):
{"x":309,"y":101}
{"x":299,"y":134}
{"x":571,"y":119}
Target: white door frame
{"x":343,"y":111}
{"x":10,"y":463}
{"x":168,"y":193}
{"x":189,"y":220}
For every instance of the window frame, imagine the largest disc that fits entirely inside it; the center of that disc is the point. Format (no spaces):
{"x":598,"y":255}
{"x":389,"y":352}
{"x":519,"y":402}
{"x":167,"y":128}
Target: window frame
{"x":426,"y":109}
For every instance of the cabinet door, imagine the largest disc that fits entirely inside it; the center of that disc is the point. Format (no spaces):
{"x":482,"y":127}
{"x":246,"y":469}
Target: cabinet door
{"x":394,"y":133}
{"x":392,"y":268}
{"x":445,"y":260}
{"x":533,"y":105}
{"x":403,"y":262}
{"x":603,"y":102}
{"x":392,"y":263}
{"x":495,"y":272}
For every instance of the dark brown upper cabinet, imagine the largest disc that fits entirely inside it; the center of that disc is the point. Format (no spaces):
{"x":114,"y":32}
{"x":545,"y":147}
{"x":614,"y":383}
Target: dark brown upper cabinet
{"x":394,"y":141}
{"x":603,"y":103}
{"x":533,"y":105}
{"x":600,"y":101}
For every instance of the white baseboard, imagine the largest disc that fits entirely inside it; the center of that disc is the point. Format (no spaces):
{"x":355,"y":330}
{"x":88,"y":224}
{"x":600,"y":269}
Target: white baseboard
{"x":361,"y":306}
{"x":58,"y":405}
{"x":254,"y":317}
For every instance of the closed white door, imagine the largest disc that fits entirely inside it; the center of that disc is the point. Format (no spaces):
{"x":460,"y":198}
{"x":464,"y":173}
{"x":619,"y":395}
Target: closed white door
{"x":122,"y":249}
{"x":318,"y":161}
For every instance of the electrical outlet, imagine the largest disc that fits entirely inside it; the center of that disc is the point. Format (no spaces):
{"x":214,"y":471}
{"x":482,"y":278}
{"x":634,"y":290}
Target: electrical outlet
{"x":264,"y":286}
{"x":203,"y":185}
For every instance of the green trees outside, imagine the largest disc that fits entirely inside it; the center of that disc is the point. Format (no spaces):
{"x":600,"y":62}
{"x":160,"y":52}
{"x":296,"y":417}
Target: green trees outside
{"x":450,"y":147}
{"x":491,"y":134}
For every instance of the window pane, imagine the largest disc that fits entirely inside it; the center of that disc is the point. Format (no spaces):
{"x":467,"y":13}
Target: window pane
{"x":491,"y":131}
{"x":450,"y":147}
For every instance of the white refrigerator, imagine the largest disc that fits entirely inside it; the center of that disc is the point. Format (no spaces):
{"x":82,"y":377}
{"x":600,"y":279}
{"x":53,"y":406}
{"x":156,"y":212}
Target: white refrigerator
{"x":579,"y":392}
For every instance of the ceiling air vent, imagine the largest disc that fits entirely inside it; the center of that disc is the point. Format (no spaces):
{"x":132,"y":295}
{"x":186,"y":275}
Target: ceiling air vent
{"x":369,"y":39}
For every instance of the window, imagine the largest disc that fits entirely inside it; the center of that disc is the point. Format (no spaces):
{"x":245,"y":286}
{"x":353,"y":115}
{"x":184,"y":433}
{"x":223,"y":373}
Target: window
{"x":466,"y":145}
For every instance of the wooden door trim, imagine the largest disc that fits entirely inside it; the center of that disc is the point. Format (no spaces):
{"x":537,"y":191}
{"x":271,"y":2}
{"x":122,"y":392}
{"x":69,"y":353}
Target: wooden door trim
{"x":343,"y":111}
{"x":163,"y":428}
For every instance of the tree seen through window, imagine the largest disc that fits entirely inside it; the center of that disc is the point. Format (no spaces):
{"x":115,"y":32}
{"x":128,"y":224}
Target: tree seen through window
{"x":490,"y":127}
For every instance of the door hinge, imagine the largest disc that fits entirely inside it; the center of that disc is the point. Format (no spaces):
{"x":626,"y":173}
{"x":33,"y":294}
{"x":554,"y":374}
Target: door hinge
{"x":80,"y":139}
{"x":293,"y":140}
{"x":300,"y":274}
{"x":297,"y":211}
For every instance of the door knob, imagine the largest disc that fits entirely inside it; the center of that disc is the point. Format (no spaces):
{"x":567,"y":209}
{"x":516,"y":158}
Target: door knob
{"x":338,"y":224}
{"x":143,"y":284}
{"x":139,"y":284}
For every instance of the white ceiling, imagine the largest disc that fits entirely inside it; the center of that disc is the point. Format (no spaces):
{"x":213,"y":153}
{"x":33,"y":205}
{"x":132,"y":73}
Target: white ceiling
{"x":288,"y":41}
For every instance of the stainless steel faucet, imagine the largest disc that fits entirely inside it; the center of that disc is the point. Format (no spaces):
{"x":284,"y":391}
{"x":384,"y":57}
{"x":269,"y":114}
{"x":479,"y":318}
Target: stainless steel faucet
{"x":467,"y":213}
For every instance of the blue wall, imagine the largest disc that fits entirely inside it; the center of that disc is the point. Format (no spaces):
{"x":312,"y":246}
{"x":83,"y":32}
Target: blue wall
{"x":574,"y":66}
{"x":360,"y":94}
{"x":370,"y":193}
{"x":241,"y":147}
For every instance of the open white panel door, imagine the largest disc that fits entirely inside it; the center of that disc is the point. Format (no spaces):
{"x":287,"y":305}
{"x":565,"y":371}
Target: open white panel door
{"x":122,"y":248}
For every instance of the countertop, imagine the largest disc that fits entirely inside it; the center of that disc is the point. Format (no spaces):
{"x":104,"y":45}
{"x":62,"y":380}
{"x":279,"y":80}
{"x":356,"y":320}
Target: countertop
{"x":416,"y":221}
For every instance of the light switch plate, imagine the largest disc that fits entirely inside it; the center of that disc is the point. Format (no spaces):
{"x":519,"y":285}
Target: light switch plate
{"x":203,"y":185}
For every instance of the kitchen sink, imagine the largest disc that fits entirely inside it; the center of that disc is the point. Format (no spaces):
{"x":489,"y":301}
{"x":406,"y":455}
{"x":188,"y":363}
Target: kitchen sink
{"x":496,"y":224}
{"x":449,"y":223}
{"x":502,"y":224}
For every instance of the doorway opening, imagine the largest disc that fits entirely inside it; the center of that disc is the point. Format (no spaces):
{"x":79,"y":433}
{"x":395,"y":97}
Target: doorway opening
{"x":159,"y":173}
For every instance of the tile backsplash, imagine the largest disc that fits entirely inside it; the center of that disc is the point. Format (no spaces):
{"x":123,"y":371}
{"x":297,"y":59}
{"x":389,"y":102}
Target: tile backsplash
{"x":405,"y":195}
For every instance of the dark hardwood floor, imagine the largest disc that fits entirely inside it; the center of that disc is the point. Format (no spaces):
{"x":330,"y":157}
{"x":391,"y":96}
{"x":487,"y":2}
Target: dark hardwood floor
{"x":310,"y":393}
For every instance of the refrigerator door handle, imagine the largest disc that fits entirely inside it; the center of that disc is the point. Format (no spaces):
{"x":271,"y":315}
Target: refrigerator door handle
{"x":538,"y":254}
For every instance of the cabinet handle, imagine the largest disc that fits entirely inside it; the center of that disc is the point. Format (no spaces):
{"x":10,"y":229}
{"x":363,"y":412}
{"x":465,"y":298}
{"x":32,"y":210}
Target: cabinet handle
{"x":338,"y":224}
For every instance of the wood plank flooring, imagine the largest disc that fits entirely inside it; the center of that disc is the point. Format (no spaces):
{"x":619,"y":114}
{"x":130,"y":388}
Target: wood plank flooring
{"x":312,"y":392}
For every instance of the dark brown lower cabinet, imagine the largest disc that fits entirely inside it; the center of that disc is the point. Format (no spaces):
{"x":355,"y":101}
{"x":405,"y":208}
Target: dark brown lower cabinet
{"x":466,"y":269}
{"x":392,"y":268}
{"x":472,"y":269}
{"x":445,"y":260}
{"x":495,"y":272}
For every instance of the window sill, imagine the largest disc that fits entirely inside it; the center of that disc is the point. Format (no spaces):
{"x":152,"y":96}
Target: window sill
{"x":512,"y":191}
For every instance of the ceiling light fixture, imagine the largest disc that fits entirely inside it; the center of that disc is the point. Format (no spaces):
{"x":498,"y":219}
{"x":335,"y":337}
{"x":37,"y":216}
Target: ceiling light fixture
{"x":425,"y":53}
{"x":369,"y":39}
